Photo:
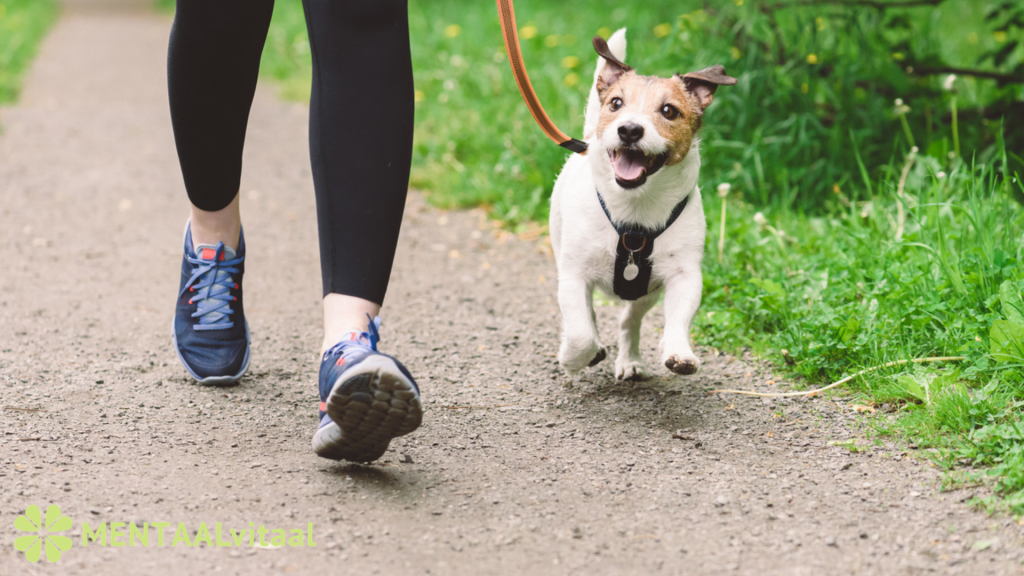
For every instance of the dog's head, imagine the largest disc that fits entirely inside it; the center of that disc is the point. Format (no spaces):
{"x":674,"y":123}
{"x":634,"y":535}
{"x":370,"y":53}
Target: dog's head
{"x":648,"y":122}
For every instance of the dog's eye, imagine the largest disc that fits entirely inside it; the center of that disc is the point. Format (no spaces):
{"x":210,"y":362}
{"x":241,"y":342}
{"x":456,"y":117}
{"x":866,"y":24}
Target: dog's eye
{"x":669,"y":111}
{"x":615,"y":104}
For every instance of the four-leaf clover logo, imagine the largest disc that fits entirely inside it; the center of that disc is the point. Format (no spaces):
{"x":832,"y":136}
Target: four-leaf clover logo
{"x":32,"y":544}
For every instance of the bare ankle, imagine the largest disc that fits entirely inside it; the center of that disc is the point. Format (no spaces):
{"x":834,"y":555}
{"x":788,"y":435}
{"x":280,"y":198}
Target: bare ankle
{"x":224,"y":225}
{"x":344,"y":314}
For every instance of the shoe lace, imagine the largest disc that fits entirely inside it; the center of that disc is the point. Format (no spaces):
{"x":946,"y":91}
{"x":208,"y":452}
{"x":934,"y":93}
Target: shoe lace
{"x":358,"y":341}
{"x":212,"y":283}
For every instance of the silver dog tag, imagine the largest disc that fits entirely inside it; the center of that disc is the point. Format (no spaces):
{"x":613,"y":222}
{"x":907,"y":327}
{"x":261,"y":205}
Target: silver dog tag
{"x":630,"y":271}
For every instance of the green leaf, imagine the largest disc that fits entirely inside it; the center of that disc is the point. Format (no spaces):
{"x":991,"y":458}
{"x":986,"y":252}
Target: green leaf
{"x":912,"y":386}
{"x":1006,"y":341}
{"x":982,"y":545}
{"x":1013,"y":304}
{"x":847,"y":332}
{"x":768,"y":286}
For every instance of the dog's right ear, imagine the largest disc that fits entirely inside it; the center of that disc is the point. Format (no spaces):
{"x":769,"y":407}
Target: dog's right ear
{"x":613,"y":67}
{"x":703,"y":83}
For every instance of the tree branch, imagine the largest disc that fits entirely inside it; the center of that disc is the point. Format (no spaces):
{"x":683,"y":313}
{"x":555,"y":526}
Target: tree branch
{"x":925,"y":71}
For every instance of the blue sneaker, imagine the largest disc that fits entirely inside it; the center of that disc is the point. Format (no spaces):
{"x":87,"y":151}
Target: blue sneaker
{"x":211,"y":335}
{"x":366,"y":399}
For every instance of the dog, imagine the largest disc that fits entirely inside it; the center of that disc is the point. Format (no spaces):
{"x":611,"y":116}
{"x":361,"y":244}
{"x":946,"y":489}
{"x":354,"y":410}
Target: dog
{"x":627,"y":218}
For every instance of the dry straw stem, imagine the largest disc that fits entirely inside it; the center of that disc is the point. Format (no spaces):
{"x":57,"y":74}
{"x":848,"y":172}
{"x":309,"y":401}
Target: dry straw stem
{"x":844,"y":380}
{"x":723,"y":191}
{"x":900,"y":216}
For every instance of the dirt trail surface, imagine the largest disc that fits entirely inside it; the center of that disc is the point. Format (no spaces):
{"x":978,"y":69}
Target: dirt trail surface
{"x":517,"y":469}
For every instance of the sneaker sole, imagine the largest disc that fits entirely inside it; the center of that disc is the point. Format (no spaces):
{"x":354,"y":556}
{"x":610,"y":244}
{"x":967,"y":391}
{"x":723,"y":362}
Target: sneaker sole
{"x":216,"y":380}
{"x":373,"y":404}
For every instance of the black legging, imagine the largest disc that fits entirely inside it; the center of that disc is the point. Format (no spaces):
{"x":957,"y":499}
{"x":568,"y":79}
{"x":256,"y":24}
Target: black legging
{"x":360,"y":120}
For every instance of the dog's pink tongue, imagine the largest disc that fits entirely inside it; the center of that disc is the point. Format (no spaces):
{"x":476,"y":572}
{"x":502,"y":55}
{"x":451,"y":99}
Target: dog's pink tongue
{"x":628,"y":167}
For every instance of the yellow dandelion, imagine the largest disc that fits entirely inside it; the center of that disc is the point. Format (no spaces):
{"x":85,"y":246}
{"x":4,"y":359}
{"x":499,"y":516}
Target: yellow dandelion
{"x":452,"y":31}
{"x":999,"y":36}
{"x":898,"y":56}
{"x":735,"y":53}
{"x":551,"y":41}
{"x":571,"y":79}
{"x":528,"y":31}
{"x":812,"y":58}
{"x":419,"y":96}
{"x":972,"y":38}
{"x":570,"y":62}
{"x":662,"y":30}
{"x":805,"y":88}
{"x":604,"y":32}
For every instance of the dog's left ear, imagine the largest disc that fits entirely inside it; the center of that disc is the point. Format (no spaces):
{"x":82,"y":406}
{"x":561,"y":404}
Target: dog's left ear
{"x":613,"y":67}
{"x":703,"y":83}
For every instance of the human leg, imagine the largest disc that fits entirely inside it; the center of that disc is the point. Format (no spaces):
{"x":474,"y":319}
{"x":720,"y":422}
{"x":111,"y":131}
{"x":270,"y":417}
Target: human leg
{"x":361,"y":119}
{"x":212,"y":65}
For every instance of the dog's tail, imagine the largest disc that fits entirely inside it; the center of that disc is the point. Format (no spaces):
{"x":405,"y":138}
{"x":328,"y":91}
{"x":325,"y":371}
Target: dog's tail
{"x":617,"y":44}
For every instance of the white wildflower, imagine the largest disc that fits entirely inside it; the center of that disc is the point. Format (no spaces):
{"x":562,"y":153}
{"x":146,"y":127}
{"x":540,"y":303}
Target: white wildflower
{"x":940,"y":174}
{"x":759,"y":219}
{"x":723,"y":189}
{"x":948,"y":83}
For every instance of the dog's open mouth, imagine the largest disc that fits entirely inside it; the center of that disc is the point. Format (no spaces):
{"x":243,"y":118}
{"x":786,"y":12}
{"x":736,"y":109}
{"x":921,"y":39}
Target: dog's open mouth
{"x":632,"y":167}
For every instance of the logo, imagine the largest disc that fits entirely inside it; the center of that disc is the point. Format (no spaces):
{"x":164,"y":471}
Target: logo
{"x":42,"y":535}
{"x":32,"y":544}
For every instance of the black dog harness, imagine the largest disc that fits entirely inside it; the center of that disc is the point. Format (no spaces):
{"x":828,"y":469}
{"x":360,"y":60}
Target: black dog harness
{"x":633,"y":252}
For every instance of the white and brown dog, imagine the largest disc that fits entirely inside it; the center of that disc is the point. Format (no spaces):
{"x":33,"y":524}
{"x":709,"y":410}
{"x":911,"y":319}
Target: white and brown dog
{"x":627,"y":217}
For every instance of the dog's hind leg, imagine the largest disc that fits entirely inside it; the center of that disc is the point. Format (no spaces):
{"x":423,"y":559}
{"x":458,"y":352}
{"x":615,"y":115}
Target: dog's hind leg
{"x":629,"y":365}
{"x":580,"y":345}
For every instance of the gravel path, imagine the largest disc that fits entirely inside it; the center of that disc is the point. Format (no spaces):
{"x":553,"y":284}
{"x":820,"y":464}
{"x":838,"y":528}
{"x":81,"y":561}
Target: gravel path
{"x":517,"y":469}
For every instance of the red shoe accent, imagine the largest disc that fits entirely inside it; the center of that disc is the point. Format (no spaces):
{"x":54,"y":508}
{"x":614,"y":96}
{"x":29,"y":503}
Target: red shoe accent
{"x":209,"y":253}
{"x":323,"y":406}
{"x":340,"y":361}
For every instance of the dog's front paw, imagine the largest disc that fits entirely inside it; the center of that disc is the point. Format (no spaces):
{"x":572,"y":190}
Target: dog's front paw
{"x":629,"y":369}
{"x":684,"y":364}
{"x":577,"y":357}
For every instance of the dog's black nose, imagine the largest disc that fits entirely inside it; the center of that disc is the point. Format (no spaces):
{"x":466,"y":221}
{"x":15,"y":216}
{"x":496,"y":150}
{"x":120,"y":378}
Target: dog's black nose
{"x":630,"y":133}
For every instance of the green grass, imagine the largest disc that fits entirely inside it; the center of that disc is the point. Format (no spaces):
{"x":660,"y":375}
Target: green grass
{"x":839,"y":293}
{"x":23,"y":23}
{"x":813,"y":146}
{"x":809,"y":77}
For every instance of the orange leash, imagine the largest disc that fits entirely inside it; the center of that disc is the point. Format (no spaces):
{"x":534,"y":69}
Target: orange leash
{"x":515,"y":58}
